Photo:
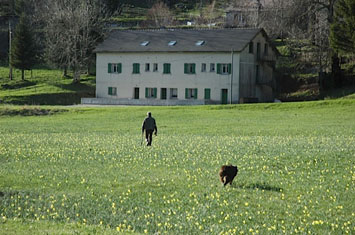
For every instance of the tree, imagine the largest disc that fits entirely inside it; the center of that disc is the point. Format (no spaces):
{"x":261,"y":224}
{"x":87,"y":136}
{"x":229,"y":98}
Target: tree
{"x":23,"y":51}
{"x":72,"y":30}
{"x":275,"y":17}
{"x":159,"y":15}
{"x":307,"y":23}
{"x":6,"y":7}
{"x":114,"y":6}
{"x":208,"y":14}
{"x":342,"y":34}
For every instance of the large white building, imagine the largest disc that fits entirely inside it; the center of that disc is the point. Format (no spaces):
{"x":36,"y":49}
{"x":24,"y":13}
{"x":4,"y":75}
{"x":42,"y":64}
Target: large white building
{"x":178,"y":67}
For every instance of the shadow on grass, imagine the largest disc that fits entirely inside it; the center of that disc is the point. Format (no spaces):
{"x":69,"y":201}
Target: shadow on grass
{"x":338,"y":93}
{"x":48,"y":99}
{"x":17,"y":85}
{"x":36,"y":111}
{"x":76,"y":87}
{"x":259,"y":186}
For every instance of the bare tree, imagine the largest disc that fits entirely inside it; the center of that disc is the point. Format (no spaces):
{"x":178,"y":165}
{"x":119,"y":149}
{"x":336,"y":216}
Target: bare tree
{"x":245,"y":13}
{"x":73,"y":28}
{"x":318,"y":15}
{"x":159,"y":15}
{"x":306,"y":23}
{"x":208,"y":14}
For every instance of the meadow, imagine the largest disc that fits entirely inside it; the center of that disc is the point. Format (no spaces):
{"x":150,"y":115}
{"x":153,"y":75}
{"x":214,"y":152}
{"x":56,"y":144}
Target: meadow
{"x":43,"y":86}
{"x":69,"y":170}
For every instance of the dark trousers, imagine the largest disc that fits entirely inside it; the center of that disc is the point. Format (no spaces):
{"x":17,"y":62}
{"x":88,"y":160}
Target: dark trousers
{"x":149,"y":137}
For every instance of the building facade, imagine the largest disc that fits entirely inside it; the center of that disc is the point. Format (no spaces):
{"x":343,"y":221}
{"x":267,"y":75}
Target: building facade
{"x":182,"y":67}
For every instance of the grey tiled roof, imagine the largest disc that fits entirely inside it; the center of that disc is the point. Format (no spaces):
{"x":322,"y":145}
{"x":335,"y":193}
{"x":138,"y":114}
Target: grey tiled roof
{"x":215,"y":40}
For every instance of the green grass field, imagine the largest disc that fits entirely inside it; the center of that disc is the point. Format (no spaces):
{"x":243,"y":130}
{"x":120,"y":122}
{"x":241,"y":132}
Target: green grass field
{"x":68,"y":170}
{"x":43,"y":87}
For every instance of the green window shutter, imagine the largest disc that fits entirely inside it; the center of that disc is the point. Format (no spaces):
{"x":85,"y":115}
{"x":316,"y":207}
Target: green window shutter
{"x":146,"y":92}
{"x":119,"y":68}
{"x":193,"y":68}
{"x":136,"y":68}
{"x":229,"y":68}
{"x":207,"y":94}
{"x":169,"y":68}
{"x":186,"y":68}
{"x":195,"y":93}
{"x":186,"y":93}
{"x":219,"y":69}
{"x":155,"y":92}
{"x":110,"y":90}
{"x":166,"y":69}
{"x":109,"y":68}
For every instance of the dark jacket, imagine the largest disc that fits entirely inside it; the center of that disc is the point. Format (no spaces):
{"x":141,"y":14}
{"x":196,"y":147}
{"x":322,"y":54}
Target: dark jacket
{"x":149,"y":124}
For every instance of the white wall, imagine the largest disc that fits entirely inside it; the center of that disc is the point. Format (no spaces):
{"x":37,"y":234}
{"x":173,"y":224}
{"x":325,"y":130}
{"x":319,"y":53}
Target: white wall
{"x":126,"y":81}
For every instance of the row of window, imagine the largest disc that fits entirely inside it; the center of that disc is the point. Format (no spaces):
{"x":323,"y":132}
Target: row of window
{"x":173,"y":43}
{"x":189,"y":68}
{"x":151,"y":92}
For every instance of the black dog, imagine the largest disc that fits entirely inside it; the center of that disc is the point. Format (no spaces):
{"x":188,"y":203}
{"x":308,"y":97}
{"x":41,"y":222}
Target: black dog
{"x":227,"y":174}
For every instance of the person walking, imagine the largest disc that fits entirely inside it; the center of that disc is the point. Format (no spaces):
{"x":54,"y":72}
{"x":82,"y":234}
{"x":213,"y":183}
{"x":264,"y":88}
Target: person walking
{"x":149,"y":126}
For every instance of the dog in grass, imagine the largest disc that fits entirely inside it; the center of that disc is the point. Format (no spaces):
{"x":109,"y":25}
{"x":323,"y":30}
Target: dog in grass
{"x":227,"y":174}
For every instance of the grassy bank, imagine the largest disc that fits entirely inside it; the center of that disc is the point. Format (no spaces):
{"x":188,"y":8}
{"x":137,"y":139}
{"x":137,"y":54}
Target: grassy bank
{"x":43,"y":87}
{"x":72,"y":169}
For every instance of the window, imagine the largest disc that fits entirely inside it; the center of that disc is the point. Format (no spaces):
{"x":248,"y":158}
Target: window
{"x":147,"y":67}
{"x":163,"y":92}
{"x":212,"y":67}
{"x":266,"y":49}
{"x":189,"y":68}
{"x":173,"y":93}
{"x":200,"y":43}
{"x":172,"y":43}
{"x":115,"y":68}
{"x":112,"y":91}
{"x":203,"y":67}
{"x":191,"y":93}
{"x":136,"y":93}
{"x":136,"y":68}
{"x":155,"y":67}
{"x":166,"y":68}
{"x":207,"y":93}
{"x":145,"y":43}
{"x":251,"y":47}
{"x":224,"y":68}
{"x":150,"y":92}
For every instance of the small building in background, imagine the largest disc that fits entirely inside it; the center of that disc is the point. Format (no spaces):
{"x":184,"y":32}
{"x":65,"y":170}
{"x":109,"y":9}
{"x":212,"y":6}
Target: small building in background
{"x":184,"y":67}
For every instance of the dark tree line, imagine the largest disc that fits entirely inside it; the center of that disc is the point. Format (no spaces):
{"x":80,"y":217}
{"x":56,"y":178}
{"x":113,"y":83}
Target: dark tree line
{"x":69,"y":29}
{"x":309,"y":25}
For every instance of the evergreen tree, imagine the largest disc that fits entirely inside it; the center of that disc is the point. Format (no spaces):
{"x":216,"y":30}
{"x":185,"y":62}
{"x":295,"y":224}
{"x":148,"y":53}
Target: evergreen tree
{"x":23,"y":51}
{"x":342,"y":36}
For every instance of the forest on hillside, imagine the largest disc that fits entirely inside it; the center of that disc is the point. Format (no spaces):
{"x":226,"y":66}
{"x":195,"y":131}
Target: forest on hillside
{"x":315,"y":38}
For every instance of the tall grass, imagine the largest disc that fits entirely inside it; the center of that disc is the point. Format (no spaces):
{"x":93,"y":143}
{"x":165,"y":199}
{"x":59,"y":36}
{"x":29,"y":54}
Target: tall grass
{"x":84,"y":170}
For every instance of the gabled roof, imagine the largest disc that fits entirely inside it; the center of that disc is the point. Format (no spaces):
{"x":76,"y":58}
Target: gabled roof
{"x":214,"y":40}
